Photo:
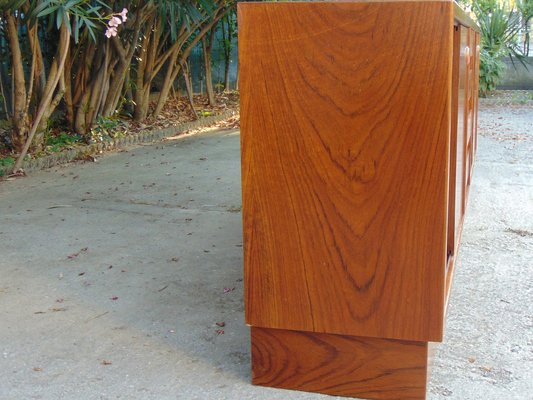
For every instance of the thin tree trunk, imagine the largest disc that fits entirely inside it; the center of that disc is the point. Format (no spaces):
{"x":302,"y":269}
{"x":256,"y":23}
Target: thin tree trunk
{"x":173,"y":70}
{"x":237,"y":77}
{"x":167,"y":83}
{"x":150,"y":68}
{"x":115,"y":90}
{"x":526,"y":47}
{"x":109,"y":66}
{"x":37,"y":55}
{"x":163,"y":96}
{"x":188,"y":86}
{"x":146,"y":71}
{"x":47,"y":100}
{"x":173,"y":92}
{"x":69,"y":103}
{"x":83,"y":70}
{"x":125,"y":56}
{"x":227,"y":84}
{"x":142,"y":103}
{"x":4,"y":98}
{"x":20,"y":117}
{"x":89,"y":86}
{"x":207,"y":47}
{"x":226,"y":40}
{"x":39,"y":136}
{"x":128,"y":93}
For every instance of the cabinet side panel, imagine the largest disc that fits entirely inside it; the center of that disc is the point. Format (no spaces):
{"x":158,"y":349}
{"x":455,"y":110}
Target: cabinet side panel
{"x":345,"y":119}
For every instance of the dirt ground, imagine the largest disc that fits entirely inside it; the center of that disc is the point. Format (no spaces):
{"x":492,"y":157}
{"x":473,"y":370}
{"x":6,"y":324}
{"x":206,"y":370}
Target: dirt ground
{"x":122,"y":279}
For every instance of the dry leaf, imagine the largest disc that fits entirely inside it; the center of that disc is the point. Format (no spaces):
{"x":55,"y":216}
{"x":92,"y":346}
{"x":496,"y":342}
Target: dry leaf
{"x":74,"y":255}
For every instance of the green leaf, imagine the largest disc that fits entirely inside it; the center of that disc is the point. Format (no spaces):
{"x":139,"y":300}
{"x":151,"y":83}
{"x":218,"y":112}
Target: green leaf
{"x":60,"y":16}
{"x":47,"y":11}
{"x":71,"y":3}
{"x":76,"y":29}
{"x":104,"y":4}
{"x":40,"y":7}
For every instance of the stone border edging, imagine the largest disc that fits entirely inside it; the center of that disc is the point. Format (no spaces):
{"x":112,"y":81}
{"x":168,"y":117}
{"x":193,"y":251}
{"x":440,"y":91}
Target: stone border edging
{"x":67,"y":156}
{"x":504,"y":102}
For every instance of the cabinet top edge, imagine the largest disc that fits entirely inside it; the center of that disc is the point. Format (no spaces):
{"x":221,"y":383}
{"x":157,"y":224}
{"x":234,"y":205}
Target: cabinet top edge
{"x":270,"y":2}
{"x":463,"y":18}
{"x":460,"y":15}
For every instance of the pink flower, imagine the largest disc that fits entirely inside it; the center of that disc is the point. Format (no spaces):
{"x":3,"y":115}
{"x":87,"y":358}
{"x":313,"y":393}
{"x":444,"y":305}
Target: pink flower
{"x":111,"y":31}
{"x":114,"y":22}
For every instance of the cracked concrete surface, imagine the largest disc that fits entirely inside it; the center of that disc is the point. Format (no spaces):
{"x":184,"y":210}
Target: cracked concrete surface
{"x":114,"y":275}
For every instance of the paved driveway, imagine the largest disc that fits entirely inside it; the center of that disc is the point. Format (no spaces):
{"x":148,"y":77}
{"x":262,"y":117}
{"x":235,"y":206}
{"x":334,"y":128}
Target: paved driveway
{"x":123,"y":279}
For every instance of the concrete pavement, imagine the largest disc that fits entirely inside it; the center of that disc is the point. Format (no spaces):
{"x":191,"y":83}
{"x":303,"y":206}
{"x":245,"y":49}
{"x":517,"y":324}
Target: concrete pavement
{"x":123,"y":279}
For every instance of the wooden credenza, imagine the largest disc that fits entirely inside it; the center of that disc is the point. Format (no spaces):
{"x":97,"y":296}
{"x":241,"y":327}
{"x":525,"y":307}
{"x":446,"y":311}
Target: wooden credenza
{"x":358,"y":136}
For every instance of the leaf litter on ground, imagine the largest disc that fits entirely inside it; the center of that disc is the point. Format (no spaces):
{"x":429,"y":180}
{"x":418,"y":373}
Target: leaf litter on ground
{"x":74,"y":255}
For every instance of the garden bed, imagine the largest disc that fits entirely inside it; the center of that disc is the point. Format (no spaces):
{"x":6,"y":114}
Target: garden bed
{"x":177,"y":118}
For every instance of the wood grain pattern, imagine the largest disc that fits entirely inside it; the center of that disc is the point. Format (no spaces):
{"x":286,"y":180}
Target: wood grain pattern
{"x":345,"y":119}
{"x":339,"y":365}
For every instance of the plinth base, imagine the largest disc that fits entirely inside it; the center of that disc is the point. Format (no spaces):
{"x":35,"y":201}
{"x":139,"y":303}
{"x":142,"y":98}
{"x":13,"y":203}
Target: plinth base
{"x":351,"y":366}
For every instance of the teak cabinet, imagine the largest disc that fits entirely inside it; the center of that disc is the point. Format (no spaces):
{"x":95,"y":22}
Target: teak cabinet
{"x":358,"y":135}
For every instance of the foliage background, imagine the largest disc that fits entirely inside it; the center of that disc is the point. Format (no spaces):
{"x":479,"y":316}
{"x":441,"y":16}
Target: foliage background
{"x":63,"y":82}
{"x":505,"y":32}
{"x":57,"y":68}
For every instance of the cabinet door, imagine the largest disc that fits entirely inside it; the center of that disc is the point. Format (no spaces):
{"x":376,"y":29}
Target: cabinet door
{"x":470,"y":62}
{"x":471,"y":106}
{"x":450,"y":247}
{"x":462,"y":123}
{"x":476,"y":88}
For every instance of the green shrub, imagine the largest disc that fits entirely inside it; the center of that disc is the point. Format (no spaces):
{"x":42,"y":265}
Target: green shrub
{"x":491,"y":70}
{"x":105,"y":130}
{"x":7,"y":161}
{"x":58,"y":142}
{"x":499,"y":30}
